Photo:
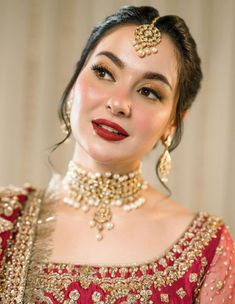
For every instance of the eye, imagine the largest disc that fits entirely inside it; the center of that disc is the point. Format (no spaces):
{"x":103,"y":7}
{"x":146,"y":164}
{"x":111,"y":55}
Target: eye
{"x":102,"y":72}
{"x":150,"y":93}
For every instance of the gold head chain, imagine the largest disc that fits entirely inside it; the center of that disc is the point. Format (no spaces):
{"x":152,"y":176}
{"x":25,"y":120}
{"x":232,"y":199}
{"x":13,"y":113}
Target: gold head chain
{"x":147,"y":37}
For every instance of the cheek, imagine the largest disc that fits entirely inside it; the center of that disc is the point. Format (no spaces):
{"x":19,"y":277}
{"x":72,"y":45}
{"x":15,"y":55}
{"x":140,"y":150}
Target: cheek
{"x":87,"y":93}
{"x":152,"y":123}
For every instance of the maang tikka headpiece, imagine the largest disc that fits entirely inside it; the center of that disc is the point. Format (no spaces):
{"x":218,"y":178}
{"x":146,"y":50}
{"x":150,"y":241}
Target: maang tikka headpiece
{"x":147,"y":37}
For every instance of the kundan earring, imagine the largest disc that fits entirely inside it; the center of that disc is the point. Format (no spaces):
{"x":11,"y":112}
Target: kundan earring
{"x":164,"y":166}
{"x":67,"y":110}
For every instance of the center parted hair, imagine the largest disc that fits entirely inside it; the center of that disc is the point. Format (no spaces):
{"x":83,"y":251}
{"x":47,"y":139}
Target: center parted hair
{"x":189,"y":65}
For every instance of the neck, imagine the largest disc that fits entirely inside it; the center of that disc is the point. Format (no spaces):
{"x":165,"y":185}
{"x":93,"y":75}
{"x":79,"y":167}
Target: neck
{"x":90,"y":164}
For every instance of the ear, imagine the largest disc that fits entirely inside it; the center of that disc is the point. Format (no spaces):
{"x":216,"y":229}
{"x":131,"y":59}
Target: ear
{"x":171,"y":128}
{"x":184,"y":115}
{"x":170,"y":131}
{"x":71,"y":93}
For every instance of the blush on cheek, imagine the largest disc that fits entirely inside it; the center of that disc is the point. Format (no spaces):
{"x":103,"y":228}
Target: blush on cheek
{"x":152,"y":125}
{"x":89,"y":91}
{"x":146,"y":121}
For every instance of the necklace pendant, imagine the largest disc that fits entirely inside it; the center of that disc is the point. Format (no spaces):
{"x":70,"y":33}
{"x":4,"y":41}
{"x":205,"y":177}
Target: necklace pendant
{"x":102,"y":214}
{"x":99,"y":236}
{"x":102,"y":218}
{"x":109,"y":225}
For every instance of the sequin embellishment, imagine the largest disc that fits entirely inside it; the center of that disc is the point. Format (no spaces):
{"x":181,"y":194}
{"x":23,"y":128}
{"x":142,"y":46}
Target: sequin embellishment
{"x":164,"y":298}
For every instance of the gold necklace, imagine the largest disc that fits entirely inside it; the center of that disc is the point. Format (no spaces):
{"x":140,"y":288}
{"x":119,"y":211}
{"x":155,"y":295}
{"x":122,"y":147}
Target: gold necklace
{"x":86,"y":190}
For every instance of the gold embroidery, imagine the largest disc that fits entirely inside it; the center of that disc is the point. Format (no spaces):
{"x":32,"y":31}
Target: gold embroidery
{"x":74,"y":295}
{"x":145,"y":295}
{"x":164,"y":298}
{"x":45,"y":298}
{"x":134,"y":281}
{"x":9,"y":200}
{"x":96,"y":296}
{"x":5,"y":225}
{"x":219,"y":250}
{"x":218,"y":285}
{"x":163,"y":262}
{"x":193,"y":277}
{"x":13,"y":290}
{"x":0,"y":245}
{"x":42,"y":245}
{"x":199,"y":283}
{"x":204,"y":261}
{"x":133,"y":298}
{"x":181,"y":293}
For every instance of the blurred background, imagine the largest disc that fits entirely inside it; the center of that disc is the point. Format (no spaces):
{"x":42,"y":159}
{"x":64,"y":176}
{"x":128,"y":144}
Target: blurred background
{"x":40,"y":42}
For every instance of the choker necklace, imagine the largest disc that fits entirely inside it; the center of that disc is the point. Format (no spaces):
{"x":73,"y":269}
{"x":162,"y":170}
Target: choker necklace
{"x":87,"y":190}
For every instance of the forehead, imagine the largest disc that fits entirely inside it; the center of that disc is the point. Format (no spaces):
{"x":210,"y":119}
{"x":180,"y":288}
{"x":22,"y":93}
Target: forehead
{"x":120,"y":42}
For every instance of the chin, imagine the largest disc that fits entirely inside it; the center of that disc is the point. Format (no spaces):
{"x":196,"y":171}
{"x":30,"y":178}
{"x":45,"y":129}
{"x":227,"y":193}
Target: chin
{"x":104,"y":155}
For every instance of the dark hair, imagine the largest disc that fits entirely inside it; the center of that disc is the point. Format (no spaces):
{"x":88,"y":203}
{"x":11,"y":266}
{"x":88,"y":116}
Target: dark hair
{"x":190,"y":74}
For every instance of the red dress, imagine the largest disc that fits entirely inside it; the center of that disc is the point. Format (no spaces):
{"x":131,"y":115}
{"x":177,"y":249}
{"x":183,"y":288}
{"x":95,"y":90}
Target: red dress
{"x":198,"y":268}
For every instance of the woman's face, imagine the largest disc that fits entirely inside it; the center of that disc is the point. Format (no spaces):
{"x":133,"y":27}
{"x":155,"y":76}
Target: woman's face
{"x":136,"y":93}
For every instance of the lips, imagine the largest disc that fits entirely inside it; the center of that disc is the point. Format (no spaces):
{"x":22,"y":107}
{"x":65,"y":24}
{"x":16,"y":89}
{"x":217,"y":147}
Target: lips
{"x":113,"y":125}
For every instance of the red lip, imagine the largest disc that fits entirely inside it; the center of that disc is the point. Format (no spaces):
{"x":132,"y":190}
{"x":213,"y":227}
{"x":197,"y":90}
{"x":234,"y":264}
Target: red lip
{"x":111,"y":124}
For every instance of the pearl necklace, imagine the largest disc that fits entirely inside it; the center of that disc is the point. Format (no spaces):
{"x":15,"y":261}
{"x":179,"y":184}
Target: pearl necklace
{"x":86,"y":190}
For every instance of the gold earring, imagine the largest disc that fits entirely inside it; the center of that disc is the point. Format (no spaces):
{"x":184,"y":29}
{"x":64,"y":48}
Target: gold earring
{"x":164,"y":166}
{"x":66,"y":125}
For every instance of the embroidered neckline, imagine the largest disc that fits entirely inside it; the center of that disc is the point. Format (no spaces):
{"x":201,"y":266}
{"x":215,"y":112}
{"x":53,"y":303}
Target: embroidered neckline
{"x":139,"y":280}
{"x":174,"y":247}
{"x":159,"y":272}
{"x":52,"y":198}
{"x":164,"y":270}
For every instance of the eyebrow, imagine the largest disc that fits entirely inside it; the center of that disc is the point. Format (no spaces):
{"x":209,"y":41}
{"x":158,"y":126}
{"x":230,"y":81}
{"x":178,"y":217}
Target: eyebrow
{"x":114,"y":58}
{"x":157,"y":76}
{"x":147,"y":75}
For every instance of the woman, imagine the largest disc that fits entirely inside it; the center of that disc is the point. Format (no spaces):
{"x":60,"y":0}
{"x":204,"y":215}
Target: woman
{"x":133,"y":85}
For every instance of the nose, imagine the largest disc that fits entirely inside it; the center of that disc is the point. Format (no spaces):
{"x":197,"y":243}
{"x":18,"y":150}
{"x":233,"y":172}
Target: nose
{"x":119,"y":106}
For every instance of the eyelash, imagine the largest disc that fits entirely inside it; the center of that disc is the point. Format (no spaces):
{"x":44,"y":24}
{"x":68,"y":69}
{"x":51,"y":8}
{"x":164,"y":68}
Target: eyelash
{"x":98,"y":68}
{"x":156,"y":94}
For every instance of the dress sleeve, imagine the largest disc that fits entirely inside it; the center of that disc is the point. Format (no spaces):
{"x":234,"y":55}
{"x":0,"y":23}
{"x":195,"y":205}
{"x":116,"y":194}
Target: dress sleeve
{"x":219,"y":284}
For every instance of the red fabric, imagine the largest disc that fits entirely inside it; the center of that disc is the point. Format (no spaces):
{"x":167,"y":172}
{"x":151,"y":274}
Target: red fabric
{"x":214,"y":268}
{"x":4,"y":236}
{"x":219,"y":284}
